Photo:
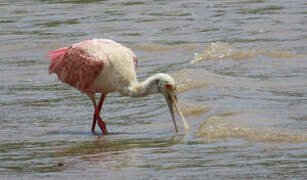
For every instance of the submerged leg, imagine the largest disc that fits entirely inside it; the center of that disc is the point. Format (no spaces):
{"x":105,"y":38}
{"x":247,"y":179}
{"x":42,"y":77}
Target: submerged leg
{"x":96,"y":115}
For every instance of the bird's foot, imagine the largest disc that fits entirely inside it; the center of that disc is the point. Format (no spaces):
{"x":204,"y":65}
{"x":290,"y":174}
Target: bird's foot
{"x":103,"y":127}
{"x":95,"y":133}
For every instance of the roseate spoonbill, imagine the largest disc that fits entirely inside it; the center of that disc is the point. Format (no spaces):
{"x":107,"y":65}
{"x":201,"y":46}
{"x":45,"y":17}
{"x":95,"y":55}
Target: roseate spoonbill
{"x":104,"y":66}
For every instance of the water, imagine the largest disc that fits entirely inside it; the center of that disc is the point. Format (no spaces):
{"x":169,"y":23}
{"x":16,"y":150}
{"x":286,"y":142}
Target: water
{"x":241,"y":68}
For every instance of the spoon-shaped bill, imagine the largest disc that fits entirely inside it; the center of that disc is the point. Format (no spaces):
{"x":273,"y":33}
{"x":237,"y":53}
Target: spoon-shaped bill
{"x":172,"y":102}
{"x":185,"y":123}
{"x":171,"y":109}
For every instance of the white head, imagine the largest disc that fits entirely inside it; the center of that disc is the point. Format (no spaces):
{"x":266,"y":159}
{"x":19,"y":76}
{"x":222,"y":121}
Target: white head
{"x":164,"y":82}
{"x":166,"y":85}
{"x":160,"y":83}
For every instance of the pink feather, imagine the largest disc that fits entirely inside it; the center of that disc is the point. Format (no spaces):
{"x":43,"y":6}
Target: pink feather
{"x":56,"y":59}
{"x":78,"y":66}
{"x":75,"y":67}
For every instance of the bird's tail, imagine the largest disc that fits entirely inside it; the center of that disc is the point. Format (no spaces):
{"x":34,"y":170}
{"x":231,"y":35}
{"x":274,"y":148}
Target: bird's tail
{"x":56,"y":58}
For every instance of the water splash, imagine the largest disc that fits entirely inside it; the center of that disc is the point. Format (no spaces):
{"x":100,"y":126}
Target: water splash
{"x":221,"y":51}
{"x":186,"y":81}
{"x":228,"y":125}
{"x":191,"y":109}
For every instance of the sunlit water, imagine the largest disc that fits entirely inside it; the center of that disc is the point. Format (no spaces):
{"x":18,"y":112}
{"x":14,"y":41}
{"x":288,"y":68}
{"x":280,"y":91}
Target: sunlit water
{"x":241,"y":68}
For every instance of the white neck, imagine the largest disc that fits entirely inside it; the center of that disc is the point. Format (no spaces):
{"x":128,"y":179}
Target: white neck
{"x":144,"y":88}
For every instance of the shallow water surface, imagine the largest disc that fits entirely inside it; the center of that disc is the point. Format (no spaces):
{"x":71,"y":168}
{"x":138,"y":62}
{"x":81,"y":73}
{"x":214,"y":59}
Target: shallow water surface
{"x":241,"y":70}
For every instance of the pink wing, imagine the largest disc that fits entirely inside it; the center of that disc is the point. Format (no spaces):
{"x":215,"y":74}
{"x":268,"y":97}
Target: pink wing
{"x":75,"y":66}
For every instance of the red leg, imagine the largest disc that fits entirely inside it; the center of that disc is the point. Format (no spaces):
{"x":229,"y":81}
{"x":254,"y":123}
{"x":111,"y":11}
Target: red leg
{"x":101,"y":124}
{"x":94,"y":122}
{"x":99,"y":109}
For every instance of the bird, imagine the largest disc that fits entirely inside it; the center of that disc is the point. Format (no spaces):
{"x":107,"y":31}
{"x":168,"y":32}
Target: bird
{"x":104,"y":66}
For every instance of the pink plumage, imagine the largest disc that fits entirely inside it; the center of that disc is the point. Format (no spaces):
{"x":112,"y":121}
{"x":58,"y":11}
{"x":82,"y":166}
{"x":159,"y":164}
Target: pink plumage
{"x":56,"y":58}
{"x":135,"y":60}
{"x":95,"y":66}
{"x":104,"y":66}
{"x":80,"y":64}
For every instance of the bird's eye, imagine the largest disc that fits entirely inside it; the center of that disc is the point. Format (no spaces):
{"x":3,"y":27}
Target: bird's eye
{"x":168,"y":86}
